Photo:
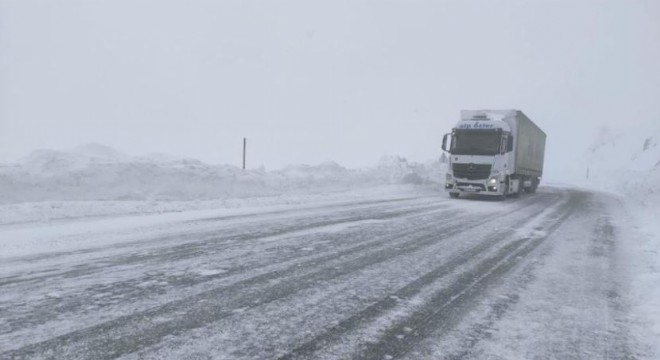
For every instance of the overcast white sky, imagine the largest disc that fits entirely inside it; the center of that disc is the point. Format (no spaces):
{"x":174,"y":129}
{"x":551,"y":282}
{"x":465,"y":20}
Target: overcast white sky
{"x":309,"y":81}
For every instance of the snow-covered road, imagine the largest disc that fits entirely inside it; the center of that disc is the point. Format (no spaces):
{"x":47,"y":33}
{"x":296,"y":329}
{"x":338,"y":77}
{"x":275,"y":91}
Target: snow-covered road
{"x":415,"y":277}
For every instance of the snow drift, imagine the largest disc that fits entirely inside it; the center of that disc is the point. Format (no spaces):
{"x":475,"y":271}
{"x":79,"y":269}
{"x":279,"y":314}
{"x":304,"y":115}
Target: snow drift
{"x":625,"y":163}
{"x":97,"y":172}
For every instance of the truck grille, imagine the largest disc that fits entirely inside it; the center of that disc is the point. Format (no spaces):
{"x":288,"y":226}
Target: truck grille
{"x":476,"y":186}
{"x":471,"y":171}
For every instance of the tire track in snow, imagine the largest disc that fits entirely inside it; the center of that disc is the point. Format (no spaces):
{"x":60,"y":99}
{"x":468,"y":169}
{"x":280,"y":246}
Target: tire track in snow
{"x":449,"y":305}
{"x":345,"y":209}
{"x":569,"y":297}
{"x":94,"y":341}
{"x":619,"y":342}
{"x":481,"y":329}
{"x":56,"y":307}
{"x":335,"y":333}
{"x":359,"y":205}
{"x":235,"y":236}
{"x":288,"y":328}
{"x":59,"y":305}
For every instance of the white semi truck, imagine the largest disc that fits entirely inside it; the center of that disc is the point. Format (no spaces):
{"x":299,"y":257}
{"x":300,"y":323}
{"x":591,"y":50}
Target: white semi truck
{"x":494,"y":152}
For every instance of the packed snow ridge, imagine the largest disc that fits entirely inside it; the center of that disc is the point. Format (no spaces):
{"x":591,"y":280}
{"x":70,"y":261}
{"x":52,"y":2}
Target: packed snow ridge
{"x":97,"y":172}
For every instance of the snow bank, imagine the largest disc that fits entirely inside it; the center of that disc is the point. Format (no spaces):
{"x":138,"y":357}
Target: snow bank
{"x":96,"y":180}
{"x":97,"y":172}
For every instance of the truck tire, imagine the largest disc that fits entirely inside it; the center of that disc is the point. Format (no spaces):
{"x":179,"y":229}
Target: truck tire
{"x":520,"y":189}
{"x":528,"y":190}
{"x":454,"y":195}
{"x":506,"y":190}
{"x":535,"y":185}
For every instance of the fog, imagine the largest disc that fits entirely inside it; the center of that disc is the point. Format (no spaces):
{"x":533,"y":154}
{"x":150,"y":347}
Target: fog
{"x":311,"y":81}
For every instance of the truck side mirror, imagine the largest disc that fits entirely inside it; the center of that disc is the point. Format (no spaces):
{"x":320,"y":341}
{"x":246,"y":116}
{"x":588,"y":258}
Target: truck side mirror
{"x":444,"y":142}
{"x":509,"y":143}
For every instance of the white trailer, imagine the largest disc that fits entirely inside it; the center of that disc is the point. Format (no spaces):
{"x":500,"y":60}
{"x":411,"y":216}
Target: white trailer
{"x":494,"y":152}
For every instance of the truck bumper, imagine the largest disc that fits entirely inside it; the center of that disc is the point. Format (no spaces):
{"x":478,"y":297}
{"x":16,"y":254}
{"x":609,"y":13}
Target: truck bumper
{"x":481,"y":187}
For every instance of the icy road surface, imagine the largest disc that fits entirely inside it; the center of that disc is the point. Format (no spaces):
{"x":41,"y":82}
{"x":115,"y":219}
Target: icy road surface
{"x":420,"y":277}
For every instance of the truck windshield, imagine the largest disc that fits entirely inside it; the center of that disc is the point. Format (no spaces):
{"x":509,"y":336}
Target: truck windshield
{"x":476,"y":143}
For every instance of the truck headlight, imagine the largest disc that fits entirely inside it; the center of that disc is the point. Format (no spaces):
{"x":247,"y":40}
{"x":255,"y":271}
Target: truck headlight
{"x":492,"y":181}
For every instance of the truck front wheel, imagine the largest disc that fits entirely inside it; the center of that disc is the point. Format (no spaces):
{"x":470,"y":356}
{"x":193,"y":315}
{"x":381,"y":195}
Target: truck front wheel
{"x":454,"y":195}
{"x":506,"y":190}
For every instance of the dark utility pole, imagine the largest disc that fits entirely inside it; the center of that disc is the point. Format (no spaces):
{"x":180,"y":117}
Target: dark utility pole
{"x":244,"y":148}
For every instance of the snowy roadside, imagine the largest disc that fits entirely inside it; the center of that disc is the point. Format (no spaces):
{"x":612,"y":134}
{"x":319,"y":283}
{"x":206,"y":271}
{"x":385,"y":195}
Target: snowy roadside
{"x":49,"y":227}
{"x":55,"y":211}
{"x":643,"y":246}
{"x":628,"y":165}
{"x":639,"y":213}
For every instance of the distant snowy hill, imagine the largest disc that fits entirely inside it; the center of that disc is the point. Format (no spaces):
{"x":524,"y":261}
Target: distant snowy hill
{"x":97,"y":172}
